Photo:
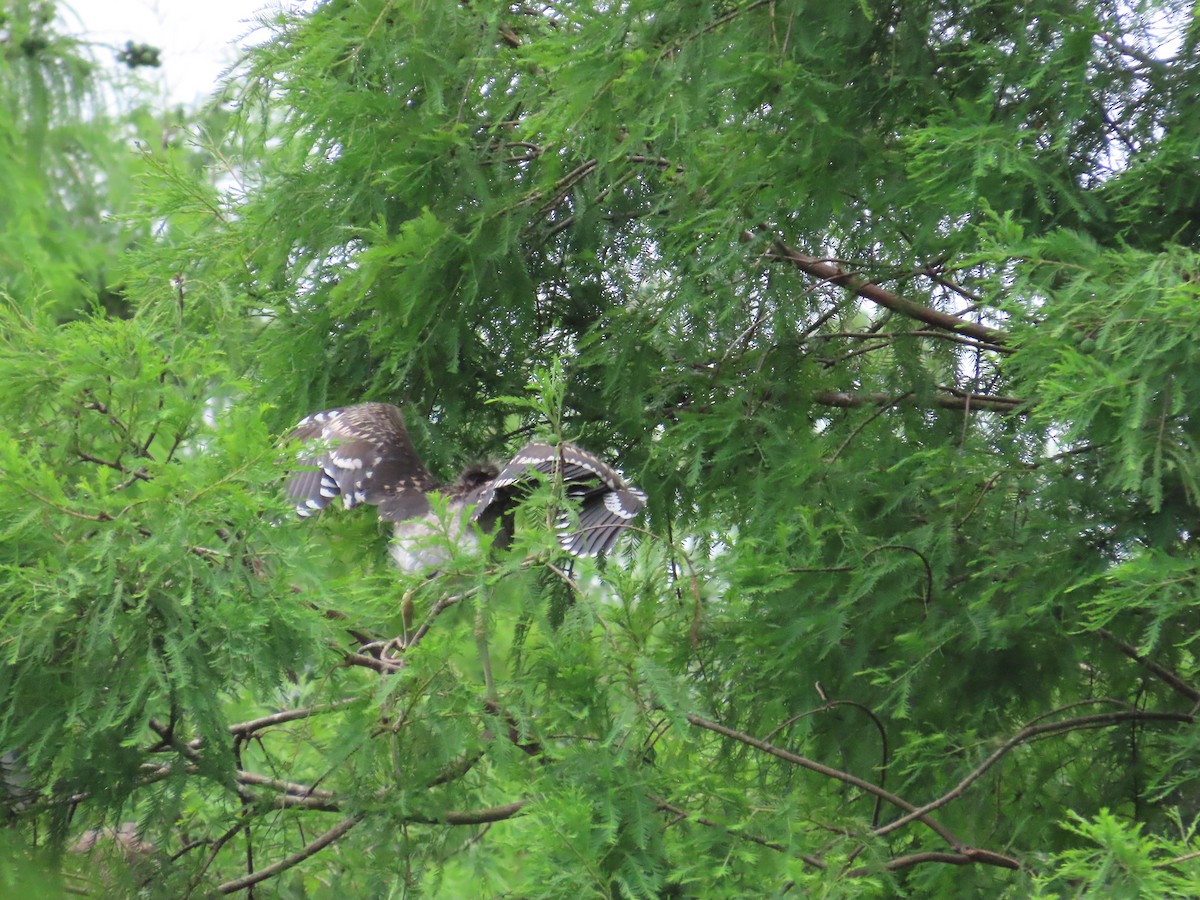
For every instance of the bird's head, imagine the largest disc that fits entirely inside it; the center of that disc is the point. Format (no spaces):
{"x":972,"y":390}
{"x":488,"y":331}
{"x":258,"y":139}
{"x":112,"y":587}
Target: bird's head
{"x":474,"y":476}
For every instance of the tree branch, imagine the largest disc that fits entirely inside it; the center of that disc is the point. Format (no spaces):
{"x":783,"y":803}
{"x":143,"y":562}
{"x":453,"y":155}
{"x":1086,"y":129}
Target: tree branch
{"x":477,"y":816}
{"x":287,"y":715}
{"x":450,"y":817}
{"x":296,"y":858}
{"x":787,"y":756}
{"x":969,"y":857}
{"x":920,"y":333}
{"x":830,"y":273}
{"x":959,"y":400}
{"x":1099,"y":720}
{"x":1163,"y":673}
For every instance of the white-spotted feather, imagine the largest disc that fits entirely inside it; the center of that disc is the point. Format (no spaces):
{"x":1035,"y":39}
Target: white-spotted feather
{"x":364,"y":455}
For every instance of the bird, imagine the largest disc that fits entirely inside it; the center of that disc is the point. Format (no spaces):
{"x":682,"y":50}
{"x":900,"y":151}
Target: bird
{"x":363,"y":454}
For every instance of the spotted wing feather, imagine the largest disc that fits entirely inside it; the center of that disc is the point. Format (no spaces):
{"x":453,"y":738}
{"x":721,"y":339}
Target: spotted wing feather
{"x":362,"y":454}
{"x":608,"y":504}
{"x":603,"y":513}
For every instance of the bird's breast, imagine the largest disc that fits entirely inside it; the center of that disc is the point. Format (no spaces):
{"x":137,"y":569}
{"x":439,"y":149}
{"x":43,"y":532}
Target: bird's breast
{"x":427,"y":542}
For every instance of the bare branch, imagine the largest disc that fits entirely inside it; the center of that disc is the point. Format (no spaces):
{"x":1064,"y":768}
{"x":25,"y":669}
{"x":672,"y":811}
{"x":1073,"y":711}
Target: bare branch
{"x":882,"y":297}
{"x":821,"y":769}
{"x":1161,"y":671}
{"x":920,"y":333}
{"x":287,"y":787}
{"x":294,"y":859}
{"x":946,"y":400}
{"x":1099,"y":720}
{"x":971,"y":857}
{"x":287,"y":715}
{"x":482,"y":816}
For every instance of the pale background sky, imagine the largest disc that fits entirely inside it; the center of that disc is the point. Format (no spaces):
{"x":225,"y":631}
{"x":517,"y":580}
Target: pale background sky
{"x":198,"y":38}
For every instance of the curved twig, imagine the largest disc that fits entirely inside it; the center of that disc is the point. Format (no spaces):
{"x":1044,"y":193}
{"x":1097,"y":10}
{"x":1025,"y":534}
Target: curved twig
{"x":967,"y":858}
{"x":919,"y":555}
{"x":1099,"y":720}
{"x":834,"y":704}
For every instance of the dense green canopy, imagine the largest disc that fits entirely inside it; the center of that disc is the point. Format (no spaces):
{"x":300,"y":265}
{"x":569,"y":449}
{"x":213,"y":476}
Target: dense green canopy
{"x":889,"y":307}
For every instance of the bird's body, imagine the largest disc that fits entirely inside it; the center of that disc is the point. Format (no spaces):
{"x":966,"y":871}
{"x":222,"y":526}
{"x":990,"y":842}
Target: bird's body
{"x":423,"y":544}
{"x":363,"y":454}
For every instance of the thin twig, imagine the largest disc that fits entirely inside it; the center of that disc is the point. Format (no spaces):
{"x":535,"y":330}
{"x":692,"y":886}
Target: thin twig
{"x":294,"y":859}
{"x":712,"y":26}
{"x":218,"y":844}
{"x":1163,"y":673}
{"x":979,"y":499}
{"x":1187,"y":857}
{"x":883,"y":407}
{"x":436,"y":610}
{"x":743,"y":835}
{"x":1099,"y":720}
{"x":921,"y":556}
{"x":947,"y":400}
{"x":288,"y":715}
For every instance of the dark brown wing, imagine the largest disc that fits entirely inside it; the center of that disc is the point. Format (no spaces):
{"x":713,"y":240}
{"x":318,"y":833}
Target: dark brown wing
{"x":364,"y":455}
{"x":608,"y":504}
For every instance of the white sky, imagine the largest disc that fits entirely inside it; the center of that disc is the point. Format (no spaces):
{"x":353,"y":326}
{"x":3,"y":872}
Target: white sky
{"x":198,"y":38}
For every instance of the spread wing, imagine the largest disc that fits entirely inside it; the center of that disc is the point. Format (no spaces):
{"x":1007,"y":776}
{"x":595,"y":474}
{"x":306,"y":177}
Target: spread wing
{"x":607,"y":503}
{"x":362,"y":454}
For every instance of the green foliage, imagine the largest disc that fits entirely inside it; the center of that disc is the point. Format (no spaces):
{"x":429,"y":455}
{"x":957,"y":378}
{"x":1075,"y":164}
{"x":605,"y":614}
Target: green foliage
{"x":66,"y":171}
{"x":1118,"y":860}
{"x":890,"y":309}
